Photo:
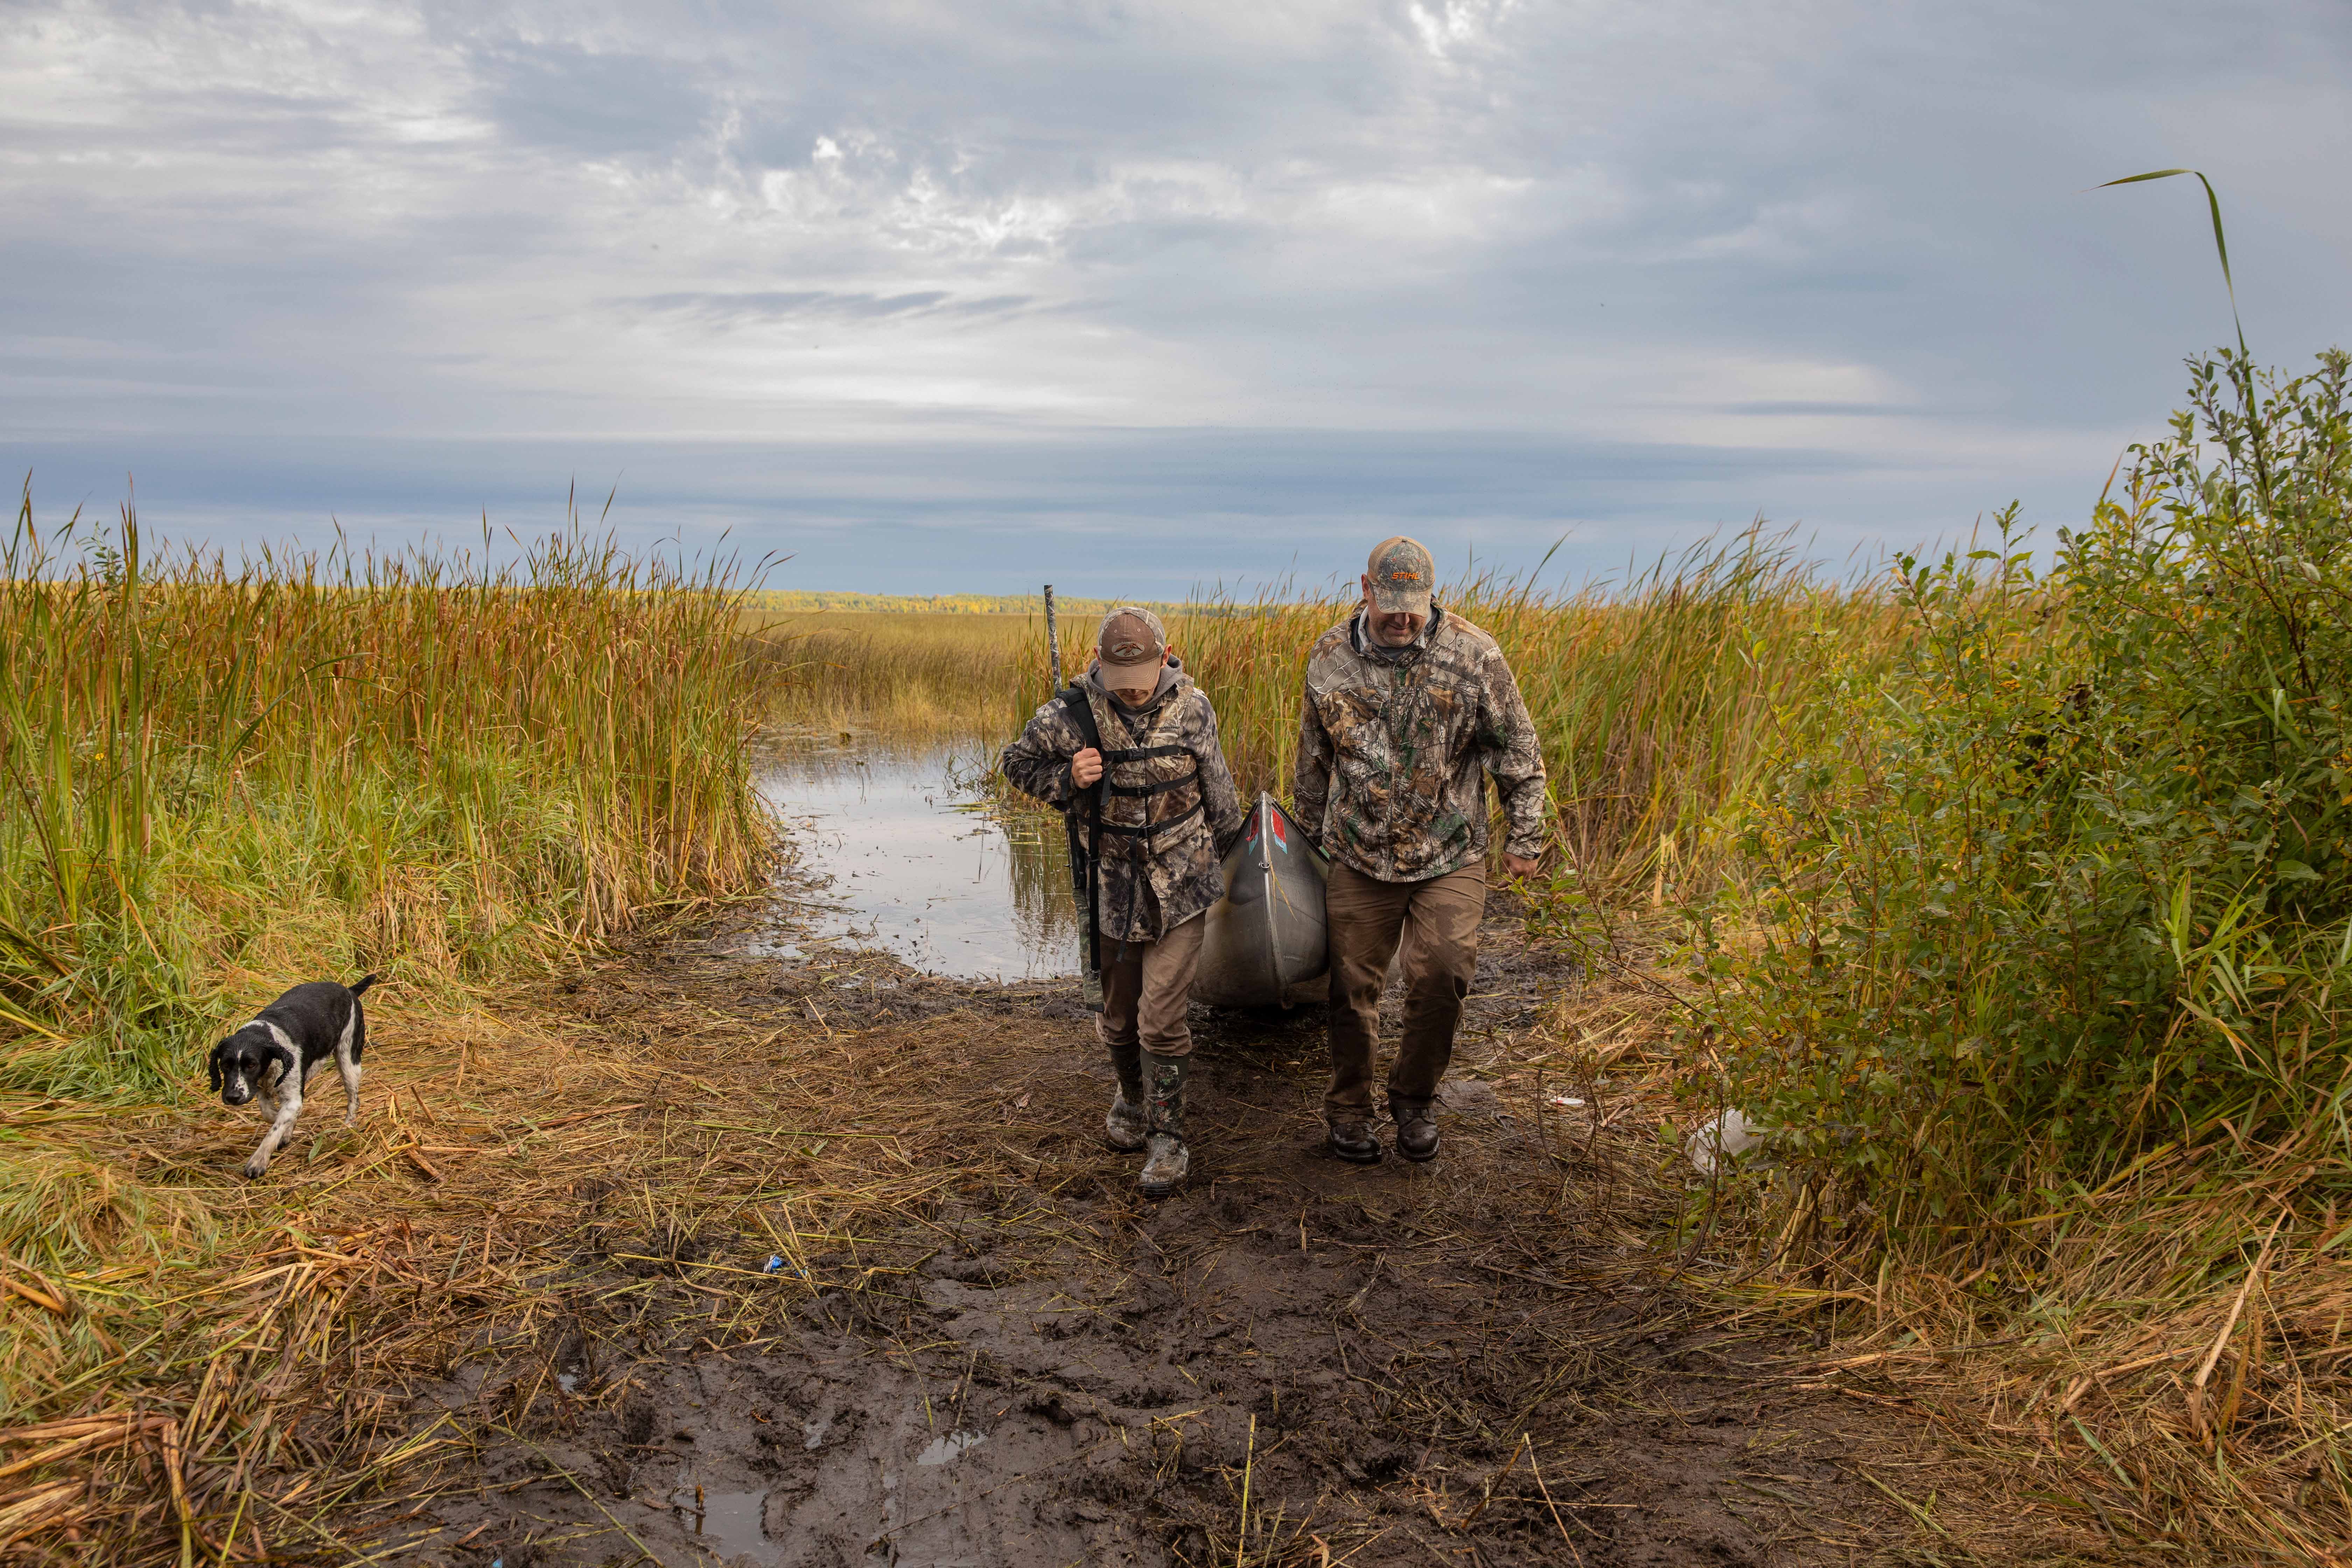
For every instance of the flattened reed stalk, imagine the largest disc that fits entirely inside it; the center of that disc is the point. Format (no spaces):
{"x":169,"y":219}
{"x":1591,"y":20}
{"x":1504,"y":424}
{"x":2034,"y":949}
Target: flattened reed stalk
{"x":2155,"y":1360}
{"x":227,"y":777}
{"x":588,"y":1201}
{"x":219,"y":781}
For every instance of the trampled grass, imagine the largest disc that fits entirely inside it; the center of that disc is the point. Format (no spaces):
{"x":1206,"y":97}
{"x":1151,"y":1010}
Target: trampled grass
{"x":221,"y":780}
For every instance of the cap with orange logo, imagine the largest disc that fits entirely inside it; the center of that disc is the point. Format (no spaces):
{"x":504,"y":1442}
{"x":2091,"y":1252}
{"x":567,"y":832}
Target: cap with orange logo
{"x":1400,"y":571}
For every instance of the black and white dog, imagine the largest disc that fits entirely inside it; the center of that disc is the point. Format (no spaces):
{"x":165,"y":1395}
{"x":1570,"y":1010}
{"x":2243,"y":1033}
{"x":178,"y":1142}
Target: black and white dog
{"x":285,"y":1043}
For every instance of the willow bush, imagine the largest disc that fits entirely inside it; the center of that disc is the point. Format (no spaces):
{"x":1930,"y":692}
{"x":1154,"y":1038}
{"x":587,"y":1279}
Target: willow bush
{"x":2069,"y":888}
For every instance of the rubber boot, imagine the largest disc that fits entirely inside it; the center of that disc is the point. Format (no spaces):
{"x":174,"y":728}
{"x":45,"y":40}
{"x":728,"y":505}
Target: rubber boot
{"x":1126,"y":1126}
{"x":1166,"y":1159}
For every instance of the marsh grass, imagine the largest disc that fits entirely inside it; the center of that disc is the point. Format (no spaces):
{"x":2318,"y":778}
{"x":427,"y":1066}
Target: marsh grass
{"x":907,"y":673}
{"x":1659,"y":695}
{"x":220,"y":778}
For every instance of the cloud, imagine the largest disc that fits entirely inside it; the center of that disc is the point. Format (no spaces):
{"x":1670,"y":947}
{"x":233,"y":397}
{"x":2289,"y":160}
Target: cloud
{"x":729,"y":309}
{"x":1834,"y":260}
{"x":562,"y":97}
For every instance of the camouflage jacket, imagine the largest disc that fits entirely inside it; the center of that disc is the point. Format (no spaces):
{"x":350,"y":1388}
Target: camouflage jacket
{"x":1391,"y":749}
{"x":1151,"y":882}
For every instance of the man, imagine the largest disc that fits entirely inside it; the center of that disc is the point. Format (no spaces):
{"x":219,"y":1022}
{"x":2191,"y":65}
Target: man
{"x":1407,"y":708}
{"x":1169,"y":812}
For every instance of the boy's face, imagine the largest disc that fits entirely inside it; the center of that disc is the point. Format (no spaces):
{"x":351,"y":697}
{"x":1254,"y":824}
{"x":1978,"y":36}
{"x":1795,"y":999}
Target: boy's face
{"x":1134,"y":686}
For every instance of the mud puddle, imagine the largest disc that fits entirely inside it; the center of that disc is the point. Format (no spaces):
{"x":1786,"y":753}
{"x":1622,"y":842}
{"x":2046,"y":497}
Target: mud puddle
{"x":1292,"y":1362}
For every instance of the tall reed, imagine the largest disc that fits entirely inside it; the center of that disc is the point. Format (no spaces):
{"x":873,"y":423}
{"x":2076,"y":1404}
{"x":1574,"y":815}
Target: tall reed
{"x":221,"y":779}
{"x":1659,"y":697}
{"x":909,"y":672}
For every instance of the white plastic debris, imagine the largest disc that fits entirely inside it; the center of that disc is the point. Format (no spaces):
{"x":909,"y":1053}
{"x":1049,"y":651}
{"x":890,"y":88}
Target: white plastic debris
{"x":1726,"y":1137}
{"x":1566,"y":1102}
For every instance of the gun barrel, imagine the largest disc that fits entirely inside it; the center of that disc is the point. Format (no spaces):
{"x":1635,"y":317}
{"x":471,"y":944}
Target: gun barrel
{"x":1052,"y":638}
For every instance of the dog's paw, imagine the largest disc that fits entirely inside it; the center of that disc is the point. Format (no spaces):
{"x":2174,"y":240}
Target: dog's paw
{"x":256,"y":1169}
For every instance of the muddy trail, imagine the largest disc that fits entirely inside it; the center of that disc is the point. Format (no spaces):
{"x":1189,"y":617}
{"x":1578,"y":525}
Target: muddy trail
{"x":851,"y":1279}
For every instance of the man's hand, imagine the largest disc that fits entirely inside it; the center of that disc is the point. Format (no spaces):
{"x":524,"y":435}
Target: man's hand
{"x":1519,"y":865}
{"x":1087,"y":767}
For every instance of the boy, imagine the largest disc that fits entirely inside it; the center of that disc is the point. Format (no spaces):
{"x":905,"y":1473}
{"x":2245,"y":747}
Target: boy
{"x":1167,"y":814}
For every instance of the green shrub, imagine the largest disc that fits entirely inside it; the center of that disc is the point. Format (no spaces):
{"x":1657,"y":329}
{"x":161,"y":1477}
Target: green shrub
{"x":2071,"y":885}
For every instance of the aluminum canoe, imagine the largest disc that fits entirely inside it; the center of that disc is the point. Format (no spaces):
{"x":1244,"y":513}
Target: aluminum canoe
{"x":1264,"y":945}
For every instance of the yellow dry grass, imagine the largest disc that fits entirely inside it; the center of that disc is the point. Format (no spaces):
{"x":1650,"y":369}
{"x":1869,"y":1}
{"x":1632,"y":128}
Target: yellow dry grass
{"x":902,"y":672}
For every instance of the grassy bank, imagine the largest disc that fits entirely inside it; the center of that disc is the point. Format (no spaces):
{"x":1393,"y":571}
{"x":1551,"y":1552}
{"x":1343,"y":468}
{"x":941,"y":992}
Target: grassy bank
{"x":316,"y":767}
{"x":909,"y":672}
{"x":2039,"y":966}
{"x":223,"y":779}
{"x":783,"y":604}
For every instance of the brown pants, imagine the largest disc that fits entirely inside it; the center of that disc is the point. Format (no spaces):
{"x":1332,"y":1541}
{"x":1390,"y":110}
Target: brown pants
{"x":1147,"y":985}
{"x":1437,"y":921}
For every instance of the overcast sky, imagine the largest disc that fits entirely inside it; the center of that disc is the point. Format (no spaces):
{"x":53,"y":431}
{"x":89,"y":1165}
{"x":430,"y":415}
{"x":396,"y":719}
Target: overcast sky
{"x":939,"y":297}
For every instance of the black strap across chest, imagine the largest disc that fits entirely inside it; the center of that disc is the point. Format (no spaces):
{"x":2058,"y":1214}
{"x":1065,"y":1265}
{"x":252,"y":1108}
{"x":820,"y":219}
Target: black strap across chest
{"x":1144,"y":754}
{"x":1150,"y":828}
{"x":1082,"y":715}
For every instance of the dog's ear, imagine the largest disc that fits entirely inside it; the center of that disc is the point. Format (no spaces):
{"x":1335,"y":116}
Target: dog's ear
{"x":212,"y":1067}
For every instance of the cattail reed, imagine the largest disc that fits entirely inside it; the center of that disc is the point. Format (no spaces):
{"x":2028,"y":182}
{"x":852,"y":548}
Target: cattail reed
{"x":227,"y":776}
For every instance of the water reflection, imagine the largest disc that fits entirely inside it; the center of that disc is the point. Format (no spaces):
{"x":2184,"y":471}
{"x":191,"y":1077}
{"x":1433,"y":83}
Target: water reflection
{"x":904,"y":852}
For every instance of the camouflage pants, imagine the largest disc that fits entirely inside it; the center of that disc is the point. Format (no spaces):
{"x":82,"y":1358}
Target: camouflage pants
{"x":1147,"y":986}
{"x":1436,"y":924}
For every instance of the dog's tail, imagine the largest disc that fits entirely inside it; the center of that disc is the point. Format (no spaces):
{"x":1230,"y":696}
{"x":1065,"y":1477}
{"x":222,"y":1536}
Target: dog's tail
{"x":363,"y":982}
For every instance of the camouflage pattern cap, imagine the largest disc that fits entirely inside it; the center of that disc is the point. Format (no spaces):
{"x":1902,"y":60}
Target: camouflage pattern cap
{"x":1401,"y":572}
{"x":1131,"y":640}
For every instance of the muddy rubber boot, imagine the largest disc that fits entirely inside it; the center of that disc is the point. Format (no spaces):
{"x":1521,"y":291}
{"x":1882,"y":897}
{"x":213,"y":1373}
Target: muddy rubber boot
{"x":1354,"y":1140}
{"x":1127,"y":1125}
{"x":1168,"y":1159}
{"x":1416,"y":1128}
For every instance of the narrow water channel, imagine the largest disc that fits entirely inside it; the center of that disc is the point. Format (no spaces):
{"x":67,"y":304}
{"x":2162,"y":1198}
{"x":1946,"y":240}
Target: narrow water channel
{"x":900,"y":848}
